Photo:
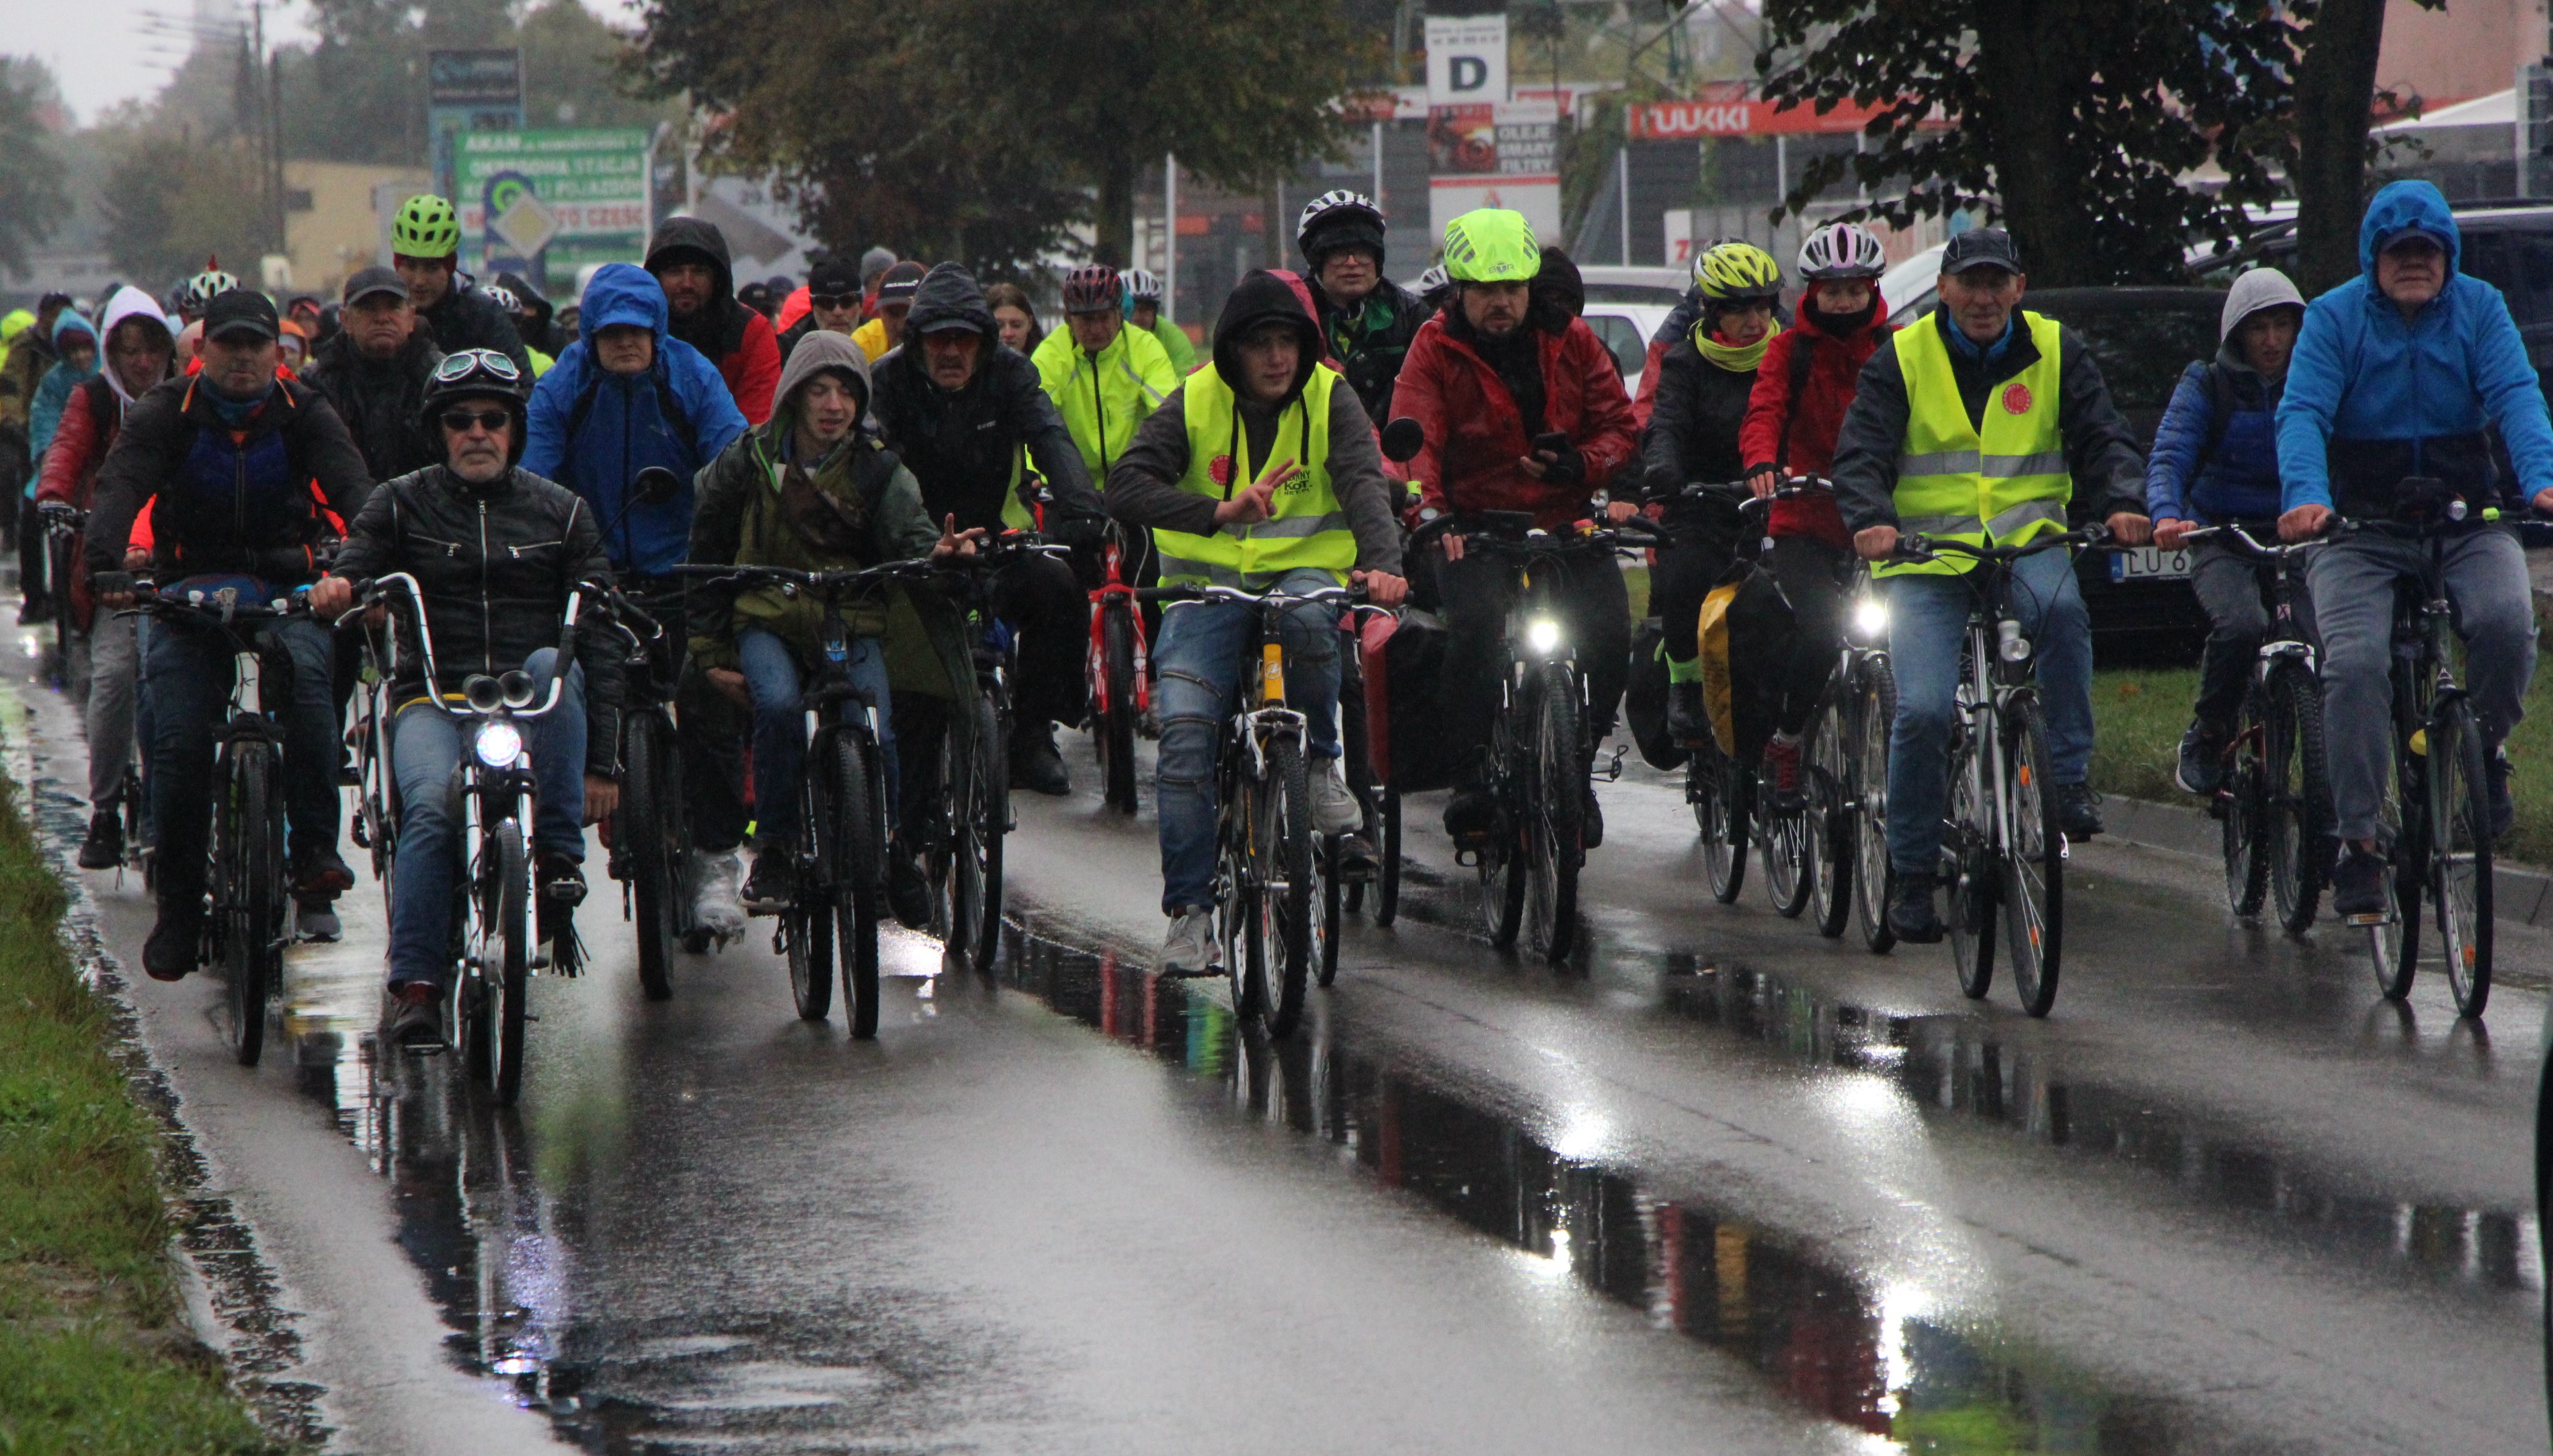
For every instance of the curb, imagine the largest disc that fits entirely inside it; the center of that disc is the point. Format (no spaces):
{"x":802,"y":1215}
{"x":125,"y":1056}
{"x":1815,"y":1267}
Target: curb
{"x":2520,"y":893}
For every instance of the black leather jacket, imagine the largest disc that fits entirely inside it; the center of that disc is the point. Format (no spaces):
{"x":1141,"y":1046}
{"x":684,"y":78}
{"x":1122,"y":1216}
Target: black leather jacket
{"x":495,"y":563}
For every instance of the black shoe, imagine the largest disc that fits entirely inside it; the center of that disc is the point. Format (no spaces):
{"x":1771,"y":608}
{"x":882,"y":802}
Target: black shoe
{"x":2202,"y":760}
{"x":1036,"y":764}
{"x":169,"y":954}
{"x":1591,"y":821}
{"x":562,"y":880}
{"x":907,"y":893}
{"x":2503,"y":805}
{"x":35,"y":610}
{"x":773,"y":885}
{"x":2079,"y":811}
{"x":1687,"y":718}
{"x":416,"y":1017}
{"x":1911,"y":916}
{"x":104,"y":846}
{"x":321,"y":876}
{"x":1472,"y":817}
{"x":2358,"y":883}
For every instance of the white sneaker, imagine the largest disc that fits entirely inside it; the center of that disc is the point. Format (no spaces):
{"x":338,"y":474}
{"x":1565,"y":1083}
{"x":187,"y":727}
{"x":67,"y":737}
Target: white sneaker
{"x":715,"y":906}
{"x":316,"y":920}
{"x":1190,"y":947}
{"x":1335,"y":811}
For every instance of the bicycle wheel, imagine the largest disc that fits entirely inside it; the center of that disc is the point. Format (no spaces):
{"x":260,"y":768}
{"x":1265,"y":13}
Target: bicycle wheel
{"x":1285,"y":890}
{"x":2393,"y":942}
{"x":510,"y":937}
{"x":2460,"y":858}
{"x":1790,"y":851}
{"x":2032,"y":895}
{"x":1115,"y":725}
{"x":1240,"y":864}
{"x":1555,"y":845}
{"x":2243,"y":808}
{"x":250,"y":861}
{"x":2295,"y":796}
{"x":1831,"y":818}
{"x":1325,"y":968}
{"x":57,"y":585}
{"x":989,"y":807}
{"x":1501,"y":865}
{"x":1874,"y":717}
{"x":806,"y":927}
{"x":646,"y":850}
{"x":1967,"y":871}
{"x":1387,"y":891}
{"x":859,"y":839}
{"x":1719,"y":790}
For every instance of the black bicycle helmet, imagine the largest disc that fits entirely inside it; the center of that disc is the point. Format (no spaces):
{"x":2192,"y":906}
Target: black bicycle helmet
{"x":479,"y":373}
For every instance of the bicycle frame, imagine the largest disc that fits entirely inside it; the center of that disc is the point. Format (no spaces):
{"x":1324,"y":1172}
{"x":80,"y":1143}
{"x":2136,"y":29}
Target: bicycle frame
{"x":1116,"y":593}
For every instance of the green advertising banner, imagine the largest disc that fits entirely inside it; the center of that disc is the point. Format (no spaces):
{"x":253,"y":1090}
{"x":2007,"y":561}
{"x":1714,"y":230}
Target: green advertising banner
{"x":545,"y":202}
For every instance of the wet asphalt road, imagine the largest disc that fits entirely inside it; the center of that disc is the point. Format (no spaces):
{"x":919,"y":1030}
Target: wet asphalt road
{"x":1719,"y":1185}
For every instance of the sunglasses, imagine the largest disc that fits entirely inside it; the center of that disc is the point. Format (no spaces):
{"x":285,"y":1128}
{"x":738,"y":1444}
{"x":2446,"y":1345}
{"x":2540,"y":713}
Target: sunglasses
{"x":833,"y":300}
{"x":476,"y":360}
{"x":460,"y":421}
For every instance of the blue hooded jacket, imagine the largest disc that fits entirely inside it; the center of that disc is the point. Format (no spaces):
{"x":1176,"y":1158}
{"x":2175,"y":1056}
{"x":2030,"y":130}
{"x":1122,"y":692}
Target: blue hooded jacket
{"x":593,"y":432}
{"x":2373,"y":398}
{"x":53,"y":391}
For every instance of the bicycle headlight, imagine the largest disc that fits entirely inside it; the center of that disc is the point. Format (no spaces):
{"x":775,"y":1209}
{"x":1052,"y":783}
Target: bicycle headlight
{"x":1870,"y":618}
{"x":1542,"y":634}
{"x":498,"y":744}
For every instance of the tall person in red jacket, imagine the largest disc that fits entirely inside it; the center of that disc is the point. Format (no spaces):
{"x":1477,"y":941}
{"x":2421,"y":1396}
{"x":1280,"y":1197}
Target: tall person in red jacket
{"x":688,"y":257}
{"x":1801,"y":391}
{"x":1519,"y":417}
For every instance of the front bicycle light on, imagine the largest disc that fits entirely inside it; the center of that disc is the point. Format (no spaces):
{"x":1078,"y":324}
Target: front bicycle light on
{"x":1542,"y":636}
{"x":1871,"y":619}
{"x":498,"y":743}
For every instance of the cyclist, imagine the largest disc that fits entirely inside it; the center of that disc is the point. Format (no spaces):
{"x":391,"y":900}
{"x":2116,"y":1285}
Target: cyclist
{"x":30,"y":357}
{"x":2216,"y":459}
{"x":1104,"y":377}
{"x":2398,"y":374}
{"x":505,"y":298}
{"x":139,"y":348}
{"x":495,"y":550}
{"x":1982,"y":385}
{"x":626,"y":396}
{"x":1313,"y":513}
{"x":814,"y":491}
{"x":232,"y":454}
{"x":1518,"y":419}
{"x":1367,"y":318}
{"x":1144,"y":311}
{"x":832,"y":303}
{"x":536,"y":321}
{"x":961,"y":411}
{"x":1705,"y":383}
{"x":688,"y":257}
{"x":884,"y":329}
{"x":375,"y":369}
{"x":425,"y":249}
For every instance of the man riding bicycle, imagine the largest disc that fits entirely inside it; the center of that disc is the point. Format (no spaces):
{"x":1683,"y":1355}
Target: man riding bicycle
{"x":1104,"y":377}
{"x":426,"y":249}
{"x":495,"y":551}
{"x":1523,"y":419}
{"x":1144,"y":311}
{"x":2399,"y":374}
{"x":1260,"y":473}
{"x":232,"y":454}
{"x":1368,"y":319}
{"x":1973,"y":426}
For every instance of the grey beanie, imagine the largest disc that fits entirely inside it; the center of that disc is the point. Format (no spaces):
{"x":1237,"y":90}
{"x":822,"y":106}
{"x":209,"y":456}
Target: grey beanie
{"x":874,"y":262}
{"x":2262,"y":288}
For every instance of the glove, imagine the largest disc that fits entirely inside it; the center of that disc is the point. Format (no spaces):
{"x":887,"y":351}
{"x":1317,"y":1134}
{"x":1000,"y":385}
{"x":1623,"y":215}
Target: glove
{"x":1082,"y":534}
{"x":1569,"y":469}
{"x":110,"y":583}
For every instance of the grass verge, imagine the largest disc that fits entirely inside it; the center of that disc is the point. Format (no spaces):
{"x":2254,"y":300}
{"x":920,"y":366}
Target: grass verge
{"x":93,"y":1358}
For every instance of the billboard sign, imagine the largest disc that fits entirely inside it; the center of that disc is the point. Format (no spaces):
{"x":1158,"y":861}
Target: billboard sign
{"x":546,"y":202}
{"x":474,"y":90}
{"x":1676,"y":121}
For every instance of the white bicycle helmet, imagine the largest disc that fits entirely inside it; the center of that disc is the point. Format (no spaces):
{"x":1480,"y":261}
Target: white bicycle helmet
{"x":1843,"y":250}
{"x":1143,"y":285}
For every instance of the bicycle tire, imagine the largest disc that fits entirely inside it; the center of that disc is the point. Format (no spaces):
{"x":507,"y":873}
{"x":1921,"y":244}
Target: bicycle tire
{"x":1237,"y":873}
{"x":1717,"y":785}
{"x":1117,"y":706}
{"x":1967,"y":875}
{"x":1874,"y":719}
{"x":806,"y":930}
{"x":2032,"y":895}
{"x":1831,"y":820}
{"x":1502,"y":864}
{"x":512,"y":897}
{"x":2242,"y":804}
{"x":1788,"y":850}
{"x":57,"y":585}
{"x":2460,"y":854}
{"x":643,"y":847}
{"x":992,"y":788}
{"x":1555,"y":845}
{"x":252,"y":872}
{"x":1325,"y":969}
{"x":1387,"y":890}
{"x":859,"y":835}
{"x":1285,"y":901}
{"x":2393,"y":944}
{"x":2298,"y":792}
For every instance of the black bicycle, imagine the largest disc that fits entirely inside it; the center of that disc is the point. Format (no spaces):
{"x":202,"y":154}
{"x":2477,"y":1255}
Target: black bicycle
{"x":64,"y":525}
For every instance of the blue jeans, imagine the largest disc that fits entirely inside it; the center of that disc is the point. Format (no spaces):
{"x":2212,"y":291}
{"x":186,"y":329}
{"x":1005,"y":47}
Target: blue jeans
{"x":771,"y":675}
{"x":188,"y":669}
{"x":425,"y":757}
{"x":1928,"y":622}
{"x":1206,"y":652}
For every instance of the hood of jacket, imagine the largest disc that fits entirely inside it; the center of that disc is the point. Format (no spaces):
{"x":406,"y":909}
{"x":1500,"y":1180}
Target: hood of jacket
{"x":72,"y":323}
{"x":949,"y":293}
{"x":2262,"y":288}
{"x":1259,"y":298}
{"x":625,"y":294}
{"x":130,"y":302}
{"x":717,"y":328}
{"x":820,"y":350}
{"x":2402,"y":207}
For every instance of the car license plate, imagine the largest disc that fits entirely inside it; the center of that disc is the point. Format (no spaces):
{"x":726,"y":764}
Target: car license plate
{"x":2143,"y":563}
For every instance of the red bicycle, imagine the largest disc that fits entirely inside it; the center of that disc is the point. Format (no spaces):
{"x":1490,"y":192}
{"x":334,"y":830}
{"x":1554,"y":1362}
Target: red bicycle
{"x":1118,"y":671}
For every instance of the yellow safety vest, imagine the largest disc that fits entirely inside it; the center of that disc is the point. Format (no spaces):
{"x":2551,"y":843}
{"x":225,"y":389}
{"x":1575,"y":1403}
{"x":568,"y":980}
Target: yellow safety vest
{"x":2001,"y":485}
{"x":1307,"y":527}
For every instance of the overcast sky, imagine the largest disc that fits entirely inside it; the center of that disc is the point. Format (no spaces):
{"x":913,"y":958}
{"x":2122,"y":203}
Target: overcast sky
{"x":106,"y":52}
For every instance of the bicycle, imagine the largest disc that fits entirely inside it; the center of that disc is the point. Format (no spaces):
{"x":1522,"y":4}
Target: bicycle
{"x":2436,"y":811}
{"x":1118,"y":672}
{"x":64,"y":525}
{"x":1270,"y":874}
{"x":649,"y":830}
{"x":2001,"y":844}
{"x":2273,"y":800}
{"x":250,"y":903}
{"x":492,"y":928}
{"x":1847,"y":762}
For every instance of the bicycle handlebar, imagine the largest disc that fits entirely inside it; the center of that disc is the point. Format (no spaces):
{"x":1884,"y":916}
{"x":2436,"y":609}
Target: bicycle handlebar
{"x":1915,"y":547}
{"x":1346,"y":596}
{"x":2248,"y":544}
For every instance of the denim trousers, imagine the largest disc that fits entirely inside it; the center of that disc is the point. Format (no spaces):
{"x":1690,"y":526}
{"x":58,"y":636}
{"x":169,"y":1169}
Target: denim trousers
{"x":772,"y":677}
{"x":189,"y":668}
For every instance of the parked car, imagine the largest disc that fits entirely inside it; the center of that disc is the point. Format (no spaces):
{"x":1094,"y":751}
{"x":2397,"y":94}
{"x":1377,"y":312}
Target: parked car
{"x":1625,"y":307}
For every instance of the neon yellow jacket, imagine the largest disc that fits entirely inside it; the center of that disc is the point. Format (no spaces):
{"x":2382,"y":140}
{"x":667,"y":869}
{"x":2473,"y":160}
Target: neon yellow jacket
{"x":1103,"y":399}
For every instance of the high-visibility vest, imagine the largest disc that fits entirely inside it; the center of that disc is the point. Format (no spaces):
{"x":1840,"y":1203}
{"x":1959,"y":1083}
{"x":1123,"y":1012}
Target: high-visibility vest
{"x":1305,"y":526}
{"x":2000,"y":485}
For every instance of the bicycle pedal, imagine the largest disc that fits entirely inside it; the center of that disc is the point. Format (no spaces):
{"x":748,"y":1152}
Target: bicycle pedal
{"x":2369,"y":922}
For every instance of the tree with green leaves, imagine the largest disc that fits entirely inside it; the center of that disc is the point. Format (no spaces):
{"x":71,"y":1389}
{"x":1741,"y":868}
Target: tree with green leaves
{"x":32,"y":195}
{"x":2073,"y":122}
{"x":170,"y":202}
{"x":2335,"y":104}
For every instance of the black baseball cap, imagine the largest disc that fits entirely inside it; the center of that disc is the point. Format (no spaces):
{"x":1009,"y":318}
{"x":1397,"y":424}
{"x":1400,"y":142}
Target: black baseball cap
{"x":900,"y":282}
{"x":835,"y":276}
{"x":241,"y":310}
{"x":375,"y":279}
{"x":1981,"y":248}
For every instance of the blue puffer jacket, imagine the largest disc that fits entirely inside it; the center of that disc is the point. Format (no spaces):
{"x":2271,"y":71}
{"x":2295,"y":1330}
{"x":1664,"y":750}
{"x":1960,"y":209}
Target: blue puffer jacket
{"x":593,"y":432}
{"x":2240,"y":479}
{"x":2372,"y":397}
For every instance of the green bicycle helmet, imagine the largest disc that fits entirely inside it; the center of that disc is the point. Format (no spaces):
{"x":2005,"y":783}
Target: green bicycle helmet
{"x":1732,"y":272}
{"x":1492,"y":245}
{"x":426,"y":227}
